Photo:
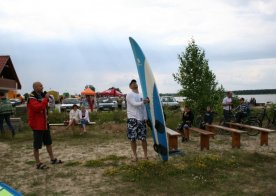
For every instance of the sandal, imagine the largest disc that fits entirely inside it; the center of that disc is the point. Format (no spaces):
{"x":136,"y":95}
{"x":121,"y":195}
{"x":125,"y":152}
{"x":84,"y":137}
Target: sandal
{"x":56,"y":161}
{"x":134,"y":159}
{"x":41,"y":166}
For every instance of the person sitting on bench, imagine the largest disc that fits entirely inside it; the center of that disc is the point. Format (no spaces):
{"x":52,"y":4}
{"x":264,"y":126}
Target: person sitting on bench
{"x":187,"y":120}
{"x":208,"y":117}
{"x":74,"y":116}
{"x":84,"y":119}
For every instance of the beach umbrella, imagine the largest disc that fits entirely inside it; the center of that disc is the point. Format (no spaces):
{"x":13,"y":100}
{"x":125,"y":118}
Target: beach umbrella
{"x":88,"y":91}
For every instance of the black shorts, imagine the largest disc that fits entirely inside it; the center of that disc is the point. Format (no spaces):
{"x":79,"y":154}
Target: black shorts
{"x":41,"y":137}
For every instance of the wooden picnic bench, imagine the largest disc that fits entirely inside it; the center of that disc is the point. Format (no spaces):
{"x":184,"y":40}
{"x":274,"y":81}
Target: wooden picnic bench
{"x":62,"y":124}
{"x":16,"y":123}
{"x":204,"y":137}
{"x":172,"y":138}
{"x":263,"y":131}
{"x":235,"y":133}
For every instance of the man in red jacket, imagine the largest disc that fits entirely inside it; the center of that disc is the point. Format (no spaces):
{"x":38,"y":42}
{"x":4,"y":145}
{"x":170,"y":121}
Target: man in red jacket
{"x":37,"y":120}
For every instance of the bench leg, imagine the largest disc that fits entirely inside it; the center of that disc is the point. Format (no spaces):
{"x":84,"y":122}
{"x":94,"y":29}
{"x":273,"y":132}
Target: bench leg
{"x":264,"y":138}
{"x":173,"y":142}
{"x":236,"y":138}
{"x":204,"y":142}
{"x":187,"y":133}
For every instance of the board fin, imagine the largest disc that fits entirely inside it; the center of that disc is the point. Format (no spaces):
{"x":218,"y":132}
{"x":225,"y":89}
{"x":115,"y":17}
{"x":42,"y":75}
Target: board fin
{"x":159,"y":126}
{"x":160,"y":149}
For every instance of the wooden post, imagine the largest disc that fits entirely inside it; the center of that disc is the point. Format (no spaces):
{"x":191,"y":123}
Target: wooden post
{"x":204,"y":142}
{"x":236,"y":138}
{"x":264,"y":138}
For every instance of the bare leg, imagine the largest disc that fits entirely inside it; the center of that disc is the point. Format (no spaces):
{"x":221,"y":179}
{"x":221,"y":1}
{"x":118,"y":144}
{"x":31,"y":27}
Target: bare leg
{"x":36,"y":156}
{"x":145,"y":149}
{"x":50,"y":151}
{"x":134,"y":149}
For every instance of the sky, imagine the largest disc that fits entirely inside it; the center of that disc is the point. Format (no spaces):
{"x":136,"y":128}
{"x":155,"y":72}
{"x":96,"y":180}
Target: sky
{"x":67,"y":44}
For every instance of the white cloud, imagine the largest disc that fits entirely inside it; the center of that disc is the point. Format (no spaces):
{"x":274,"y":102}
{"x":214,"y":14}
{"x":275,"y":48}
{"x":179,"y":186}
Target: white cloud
{"x":93,"y":34}
{"x":247,"y":74}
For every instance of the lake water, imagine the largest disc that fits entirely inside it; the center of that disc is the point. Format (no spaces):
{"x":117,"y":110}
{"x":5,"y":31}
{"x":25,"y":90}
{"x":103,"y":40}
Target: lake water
{"x":259,"y":98}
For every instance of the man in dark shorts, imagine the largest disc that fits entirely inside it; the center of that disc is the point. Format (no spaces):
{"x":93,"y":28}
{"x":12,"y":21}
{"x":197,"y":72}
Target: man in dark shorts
{"x":136,"y":119}
{"x":37,"y":120}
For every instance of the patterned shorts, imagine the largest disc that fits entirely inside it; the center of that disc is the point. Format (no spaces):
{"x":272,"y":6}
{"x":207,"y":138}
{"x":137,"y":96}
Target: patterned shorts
{"x":136,"y":129}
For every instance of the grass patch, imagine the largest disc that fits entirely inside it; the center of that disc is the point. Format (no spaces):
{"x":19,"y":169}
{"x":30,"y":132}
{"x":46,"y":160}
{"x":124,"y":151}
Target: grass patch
{"x":72,"y":163}
{"x":111,"y":160}
{"x":201,"y":174}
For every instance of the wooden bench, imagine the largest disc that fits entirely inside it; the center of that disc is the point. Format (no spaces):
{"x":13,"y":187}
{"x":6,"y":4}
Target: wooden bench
{"x":235,"y":133}
{"x":204,"y":137}
{"x":264,"y":132}
{"x":62,"y":124}
{"x":16,"y":123}
{"x":172,"y":138}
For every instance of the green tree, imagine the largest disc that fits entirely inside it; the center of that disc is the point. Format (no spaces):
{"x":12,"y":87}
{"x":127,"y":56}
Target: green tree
{"x":198,"y":82}
{"x":91,"y":87}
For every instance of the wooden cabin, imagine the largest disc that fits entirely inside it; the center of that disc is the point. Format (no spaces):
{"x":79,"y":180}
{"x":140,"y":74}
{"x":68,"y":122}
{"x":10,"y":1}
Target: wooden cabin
{"x":8,"y":78}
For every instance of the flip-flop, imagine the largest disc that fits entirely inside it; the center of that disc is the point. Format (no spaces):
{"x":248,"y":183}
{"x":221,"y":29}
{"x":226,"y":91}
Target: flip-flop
{"x":56,"y":161}
{"x":41,"y":166}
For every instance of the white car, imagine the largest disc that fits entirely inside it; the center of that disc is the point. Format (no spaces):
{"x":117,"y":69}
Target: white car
{"x":68,"y":103}
{"x":106,"y":103}
{"x":170,"y":102}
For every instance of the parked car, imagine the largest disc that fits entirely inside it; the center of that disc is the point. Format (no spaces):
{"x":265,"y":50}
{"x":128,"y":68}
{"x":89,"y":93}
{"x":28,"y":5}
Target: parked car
{"x":115,"y":100}
{"x":106,"y":103}
{"x":68,"y":103}
{"x":15,"y":102}
{"x":170,"y":102}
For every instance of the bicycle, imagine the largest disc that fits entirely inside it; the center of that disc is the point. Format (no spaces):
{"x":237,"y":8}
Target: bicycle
{"x":248,"y":120}
{"x":272,"y":122}
{"x":263,"y":117}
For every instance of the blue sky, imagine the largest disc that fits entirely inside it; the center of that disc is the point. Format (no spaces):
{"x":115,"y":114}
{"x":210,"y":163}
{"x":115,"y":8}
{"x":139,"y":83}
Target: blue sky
{"x":67,"y":44}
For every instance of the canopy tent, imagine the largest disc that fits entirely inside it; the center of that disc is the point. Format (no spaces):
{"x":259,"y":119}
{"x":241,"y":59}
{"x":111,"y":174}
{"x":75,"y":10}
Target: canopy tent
{"x":111,"y":92}
{"x":88,"y":91}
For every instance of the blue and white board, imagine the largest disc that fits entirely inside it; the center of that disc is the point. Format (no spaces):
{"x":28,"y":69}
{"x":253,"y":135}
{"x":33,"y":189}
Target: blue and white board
{"x":6,"y":190}
{"x":154,"y":108}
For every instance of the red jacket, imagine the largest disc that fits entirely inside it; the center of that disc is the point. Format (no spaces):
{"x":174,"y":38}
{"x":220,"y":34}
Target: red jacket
{"x":37,"y":113}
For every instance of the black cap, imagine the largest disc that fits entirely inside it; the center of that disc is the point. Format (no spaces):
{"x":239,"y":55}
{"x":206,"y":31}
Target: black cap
{"x":132,"y":81}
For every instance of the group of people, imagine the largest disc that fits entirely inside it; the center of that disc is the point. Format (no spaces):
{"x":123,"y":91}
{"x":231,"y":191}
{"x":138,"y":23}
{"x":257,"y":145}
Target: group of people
{"x":37,"y":106}
{"x":77,"y":116}
{"x":242,"y":110}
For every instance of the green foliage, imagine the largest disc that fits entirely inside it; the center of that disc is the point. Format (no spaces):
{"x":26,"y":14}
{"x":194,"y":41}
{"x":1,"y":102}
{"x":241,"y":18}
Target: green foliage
{"x":173,"y":117}
{"x":198,"y":82}
{"x":118,"y":116}
{"x":90,"y":86}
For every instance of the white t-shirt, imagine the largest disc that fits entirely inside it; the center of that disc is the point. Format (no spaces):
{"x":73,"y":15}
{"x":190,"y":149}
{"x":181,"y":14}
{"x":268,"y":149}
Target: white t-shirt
{"x":135,"y":106}
{"x":86,"y":116}
{"x":227,"y":100}
{"x":74,"y":114}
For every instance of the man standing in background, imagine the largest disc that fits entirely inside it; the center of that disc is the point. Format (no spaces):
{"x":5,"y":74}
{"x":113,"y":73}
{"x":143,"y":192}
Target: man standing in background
{"x":5,"y":113}
{"x":227,"y":106}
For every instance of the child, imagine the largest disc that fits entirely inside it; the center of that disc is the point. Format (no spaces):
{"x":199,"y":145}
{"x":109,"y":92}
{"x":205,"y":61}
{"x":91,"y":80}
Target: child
{"x":208,"y":117}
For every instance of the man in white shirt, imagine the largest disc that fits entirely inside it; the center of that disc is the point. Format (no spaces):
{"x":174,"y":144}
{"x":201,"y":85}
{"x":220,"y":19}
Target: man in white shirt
{"x":136,"y":119}
{"x":227,"y":106}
